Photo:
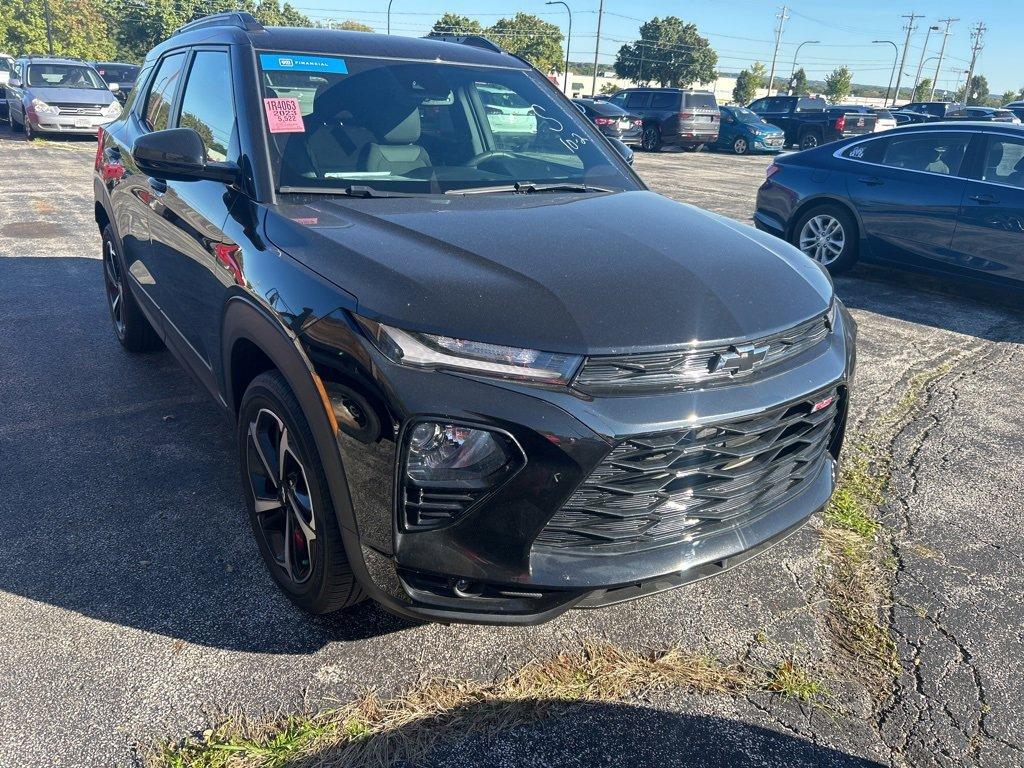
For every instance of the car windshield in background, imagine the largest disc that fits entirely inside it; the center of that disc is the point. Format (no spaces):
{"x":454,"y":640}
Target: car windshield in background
{"x":744,"y":115}
{"x":118,"y":73}
{"x":701,"y":101}
{"x":337,"y":123}
{"x":63,"y":76}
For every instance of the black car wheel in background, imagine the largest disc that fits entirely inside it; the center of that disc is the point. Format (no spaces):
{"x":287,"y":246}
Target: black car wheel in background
{"x":828,"y":234}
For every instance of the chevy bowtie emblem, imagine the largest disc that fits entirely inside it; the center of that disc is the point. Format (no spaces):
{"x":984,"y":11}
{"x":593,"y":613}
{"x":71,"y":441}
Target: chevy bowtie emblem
{"x":739,"y":358}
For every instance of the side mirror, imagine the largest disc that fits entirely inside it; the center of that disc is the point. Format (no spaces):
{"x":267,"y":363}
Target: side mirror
{"x":178,"y":154}
{"x":623,"y":150}
{"x":114,"y":87}
{"x":15,"y":82}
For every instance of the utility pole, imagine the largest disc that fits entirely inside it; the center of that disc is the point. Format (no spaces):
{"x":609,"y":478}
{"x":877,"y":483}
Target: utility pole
{"x":568,"y":43}
{"x":976,"y":45}
{"x":906,"y":44}
{"x":920,"y":62}
{"x":389,"y":15}
{"x":49,"y":30}
{"x":597,"y":48}
{"x":782,"y":16}
{"x":942,"y":52}
{"x":895,"y":60}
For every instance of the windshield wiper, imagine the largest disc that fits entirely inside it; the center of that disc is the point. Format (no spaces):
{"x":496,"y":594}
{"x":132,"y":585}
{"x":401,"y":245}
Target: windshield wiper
{"x":529,"y":187}
{"x":353,"y":190}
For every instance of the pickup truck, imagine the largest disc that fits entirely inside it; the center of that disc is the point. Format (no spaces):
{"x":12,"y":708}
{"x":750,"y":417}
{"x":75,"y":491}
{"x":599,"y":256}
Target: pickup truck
{"x":809,"y":122}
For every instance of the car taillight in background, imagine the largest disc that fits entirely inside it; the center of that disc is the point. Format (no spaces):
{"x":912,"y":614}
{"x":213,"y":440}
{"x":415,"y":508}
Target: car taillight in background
{"x":605,"y":121}
{"x":841,"y":123}
{"x":108,"y":169}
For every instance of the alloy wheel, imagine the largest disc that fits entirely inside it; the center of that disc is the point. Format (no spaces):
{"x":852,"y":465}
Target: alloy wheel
{"x":280,"y":489}
{"x":740,"y":146}
{"x":650,"y":139}
{"x":823,"y":238}
{"x":810,"y":141}
{"x":115,"y":287}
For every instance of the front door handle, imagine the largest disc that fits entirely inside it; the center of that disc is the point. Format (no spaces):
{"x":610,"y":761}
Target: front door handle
{"x":871,"y":181}
{"x":984,"y":199}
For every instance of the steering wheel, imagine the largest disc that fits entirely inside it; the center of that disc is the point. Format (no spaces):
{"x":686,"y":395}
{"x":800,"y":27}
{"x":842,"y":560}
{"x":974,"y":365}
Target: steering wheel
{"x":494,"y":154}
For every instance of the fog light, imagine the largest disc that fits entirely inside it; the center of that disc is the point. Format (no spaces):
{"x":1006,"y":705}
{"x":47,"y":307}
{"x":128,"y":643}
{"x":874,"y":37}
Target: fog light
{"x":452,"y":453}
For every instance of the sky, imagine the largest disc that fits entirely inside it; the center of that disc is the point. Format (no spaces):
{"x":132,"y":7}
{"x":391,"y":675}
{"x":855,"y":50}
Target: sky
{"x":742,"y":31}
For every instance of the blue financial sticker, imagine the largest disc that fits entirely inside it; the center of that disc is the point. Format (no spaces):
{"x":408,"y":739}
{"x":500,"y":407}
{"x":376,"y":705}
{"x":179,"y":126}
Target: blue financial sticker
{"x":294,"y":62}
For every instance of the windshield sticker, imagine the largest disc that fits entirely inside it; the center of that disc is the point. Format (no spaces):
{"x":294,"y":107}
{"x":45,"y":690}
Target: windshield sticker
{"x":294,"y":62}
{"x":284,"y":116}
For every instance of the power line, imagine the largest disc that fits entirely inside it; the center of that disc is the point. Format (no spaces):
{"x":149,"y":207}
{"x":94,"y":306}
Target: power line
{"x":782,"y":16}
{"x":911,"y":17}
{"x":977,"y":45}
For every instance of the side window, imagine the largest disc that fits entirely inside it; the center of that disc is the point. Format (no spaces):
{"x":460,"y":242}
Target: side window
{"x":867,"y":151}
{"x":207,"y":106}
{"x":638,"y":100}
{"x":665,"y":101}
{"x":618,"y":99}
{"x":1004,"y":161}
{"x":775,"y":104}
{"x":932,"y":152}
{"x":162,"y":92}
{"x":140,"y":84}
{"x":758,"y":106}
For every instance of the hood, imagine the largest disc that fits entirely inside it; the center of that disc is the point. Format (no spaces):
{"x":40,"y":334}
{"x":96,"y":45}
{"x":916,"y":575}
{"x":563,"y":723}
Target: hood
{"x":71,"y":95}
{"x":594,"y":273}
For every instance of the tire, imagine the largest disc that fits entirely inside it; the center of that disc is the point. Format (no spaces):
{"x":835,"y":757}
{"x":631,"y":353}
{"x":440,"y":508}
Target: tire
{"x":26,"y":128}
{"x":312,"y":570}
{"x":810,"y":140}
{"x":741,"y":146}
{"x":131,"y":326}
{"x":834,"y":220}
{"x":693,"y":147}
{"x":651,"y":141}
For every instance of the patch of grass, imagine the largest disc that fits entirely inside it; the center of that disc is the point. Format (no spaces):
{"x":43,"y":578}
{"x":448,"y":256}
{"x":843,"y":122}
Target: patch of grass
{"x":375,"y":731}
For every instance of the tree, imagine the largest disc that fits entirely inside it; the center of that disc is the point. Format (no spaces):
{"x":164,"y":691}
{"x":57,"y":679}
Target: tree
{"x":747,"y":83}
{"x":454,"y":24}
{"x":799,"y":83}
{"x":354,"y":26}
{"x":536,"y":40}
{"x":609,"y":89}
{"x":924,"y":89}
{"x":837,"y":84}
{"x":977,"y":94}
{"x":79,"y":28}
{"x":1011,"y":96}
{"x":670,"y":52}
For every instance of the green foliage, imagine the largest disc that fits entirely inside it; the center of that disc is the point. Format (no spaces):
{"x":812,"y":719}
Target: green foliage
{"x":977,"y":94}
{"x":799,"y":83}
{"x":536,"y":40}
{"x":354,"y":26}
{"x":747,"y":83}
{"x":1013,"y":96}
{"x":609,"y":89}
{"x":924,"y":89}
{"x":454,"y":24}
{"x":79,"y":27}
{"x":670,"y":52}
{"x":837,"y":84}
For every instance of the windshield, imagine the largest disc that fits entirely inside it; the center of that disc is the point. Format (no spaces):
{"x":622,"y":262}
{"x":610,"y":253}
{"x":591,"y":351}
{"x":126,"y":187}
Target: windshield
{"x":424,"y":127}
{"x":5,"y":65}
{"x":744,"y":115}
{"x":118,"y":73}
{"x":63,"y":76}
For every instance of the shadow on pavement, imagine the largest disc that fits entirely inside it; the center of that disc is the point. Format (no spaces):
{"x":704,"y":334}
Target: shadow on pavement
{"x":583,"y":736}
{"x":121,"y":497}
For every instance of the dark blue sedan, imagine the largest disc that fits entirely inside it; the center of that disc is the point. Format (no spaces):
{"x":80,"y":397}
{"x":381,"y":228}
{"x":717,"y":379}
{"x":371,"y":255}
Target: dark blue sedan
{"x":944,"y":197}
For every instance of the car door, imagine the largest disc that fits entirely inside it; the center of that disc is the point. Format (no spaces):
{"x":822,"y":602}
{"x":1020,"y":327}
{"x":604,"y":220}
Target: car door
{"x":15,"y":105}
{"x":638,"y":103}
{"x":189,"y":248}
{"x":907,"y":191}
{"x":990,"y":230}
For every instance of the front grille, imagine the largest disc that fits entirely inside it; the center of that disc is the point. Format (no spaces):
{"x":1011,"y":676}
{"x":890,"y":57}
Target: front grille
{"x":85,"y":110}
{"x":693,"y":366}
{"x":427,"y":508}
{"x":664,"y":488}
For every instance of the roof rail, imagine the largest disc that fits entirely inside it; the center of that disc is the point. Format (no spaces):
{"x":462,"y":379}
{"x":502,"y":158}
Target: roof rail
{"x":239,"y":19}
{"x":477,"y":41}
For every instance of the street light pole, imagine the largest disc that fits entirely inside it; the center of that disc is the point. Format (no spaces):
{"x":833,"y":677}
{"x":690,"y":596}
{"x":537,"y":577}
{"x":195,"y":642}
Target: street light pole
{"x":597,"y":48}
{"x":942,"y":52}
{"x":895,"y":60}
{"x":792,"y":74}
{"x":389,"y":15}
{"x":568,"y":42}
{"x":920,"y":62}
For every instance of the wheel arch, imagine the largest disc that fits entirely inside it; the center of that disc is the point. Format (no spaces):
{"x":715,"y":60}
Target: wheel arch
{"x":822,"y":201}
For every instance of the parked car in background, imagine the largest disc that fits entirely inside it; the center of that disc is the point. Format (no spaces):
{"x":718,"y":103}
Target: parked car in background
{"x":672,"y":116}
{"x":6,"y":72}
{"x":1017,"y":107}
{"x":475,"y":384}
{"x":937,"y":110}
{"x":742,"y":132}
{"x":53,"y":95}
{"x":511,"y":118}
{"x":809,"y":122}
{"x":985,"y":114}
{"x":884,"y":119}
{"x":117,"y":72}
{"x":612,"y":120}
{"x":904,"y":117}
{"x":944,"y":197}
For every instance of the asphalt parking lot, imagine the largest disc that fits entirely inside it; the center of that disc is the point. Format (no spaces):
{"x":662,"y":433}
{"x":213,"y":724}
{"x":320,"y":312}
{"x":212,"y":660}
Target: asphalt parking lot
{"x":134,"y":606}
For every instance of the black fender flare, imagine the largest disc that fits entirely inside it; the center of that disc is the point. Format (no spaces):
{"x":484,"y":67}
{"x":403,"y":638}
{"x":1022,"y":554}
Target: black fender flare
{"x":246,"y":320}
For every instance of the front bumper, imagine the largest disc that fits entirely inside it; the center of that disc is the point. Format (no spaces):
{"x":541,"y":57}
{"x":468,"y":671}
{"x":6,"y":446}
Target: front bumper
{"x":485,"y":566}
{"x":767,"y":144}
{"x":74,"y":124}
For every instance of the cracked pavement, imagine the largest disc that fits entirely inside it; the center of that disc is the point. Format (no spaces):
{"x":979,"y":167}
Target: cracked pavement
{"x":135,"y":607}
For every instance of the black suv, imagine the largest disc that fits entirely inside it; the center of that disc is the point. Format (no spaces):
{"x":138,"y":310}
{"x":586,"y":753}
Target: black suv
{"x":478,"y":374}
{"x":672,"y":116}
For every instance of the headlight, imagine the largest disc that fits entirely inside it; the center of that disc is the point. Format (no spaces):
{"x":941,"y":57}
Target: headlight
{"x":113,"y":109}
{"x":42,"y":108}
{"x":453,"y":453}
{"x":424,"y":350}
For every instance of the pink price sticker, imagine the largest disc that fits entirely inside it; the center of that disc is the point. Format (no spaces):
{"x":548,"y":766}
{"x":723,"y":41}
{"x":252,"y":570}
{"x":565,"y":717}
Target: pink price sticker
{"x":283,"y":115}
